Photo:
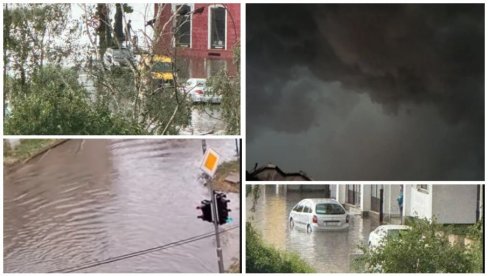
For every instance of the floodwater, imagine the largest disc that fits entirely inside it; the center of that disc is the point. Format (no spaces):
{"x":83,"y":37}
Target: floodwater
{"x":90,"y":200}
{"x":325,"y":251}
{"x":205,"y":121}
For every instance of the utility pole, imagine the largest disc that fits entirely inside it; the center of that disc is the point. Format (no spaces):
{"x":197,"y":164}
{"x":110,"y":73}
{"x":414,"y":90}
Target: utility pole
{"x":237,"y":147}
{"x":215,"y":216}
{"x":381,"y":205}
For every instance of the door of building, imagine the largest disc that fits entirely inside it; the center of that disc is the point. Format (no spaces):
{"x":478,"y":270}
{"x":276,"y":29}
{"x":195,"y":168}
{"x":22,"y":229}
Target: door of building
{"x":353,"y":194}
{"x":375,"y":197}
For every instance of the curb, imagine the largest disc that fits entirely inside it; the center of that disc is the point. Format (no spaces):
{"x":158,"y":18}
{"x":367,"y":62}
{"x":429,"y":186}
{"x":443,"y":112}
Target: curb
{"x":18,"y":163}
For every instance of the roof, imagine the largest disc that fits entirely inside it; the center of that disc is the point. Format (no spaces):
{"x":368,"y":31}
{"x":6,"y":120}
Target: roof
{"x":322,"y":200}
{"x":254,"y":175}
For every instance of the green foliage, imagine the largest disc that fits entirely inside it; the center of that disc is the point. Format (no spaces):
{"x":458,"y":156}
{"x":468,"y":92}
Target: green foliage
{"x":229,"y":87}
{"x":167,"y":110}
{"x":261,"y":258}
{"x":31,"y":36}
{"x":56,"y":104}
{"x":475,"y":250}
{"x":423,"y":249}
{"x":50,"y":101}
{"x":255,"y":191}
{"x":25,"y":149}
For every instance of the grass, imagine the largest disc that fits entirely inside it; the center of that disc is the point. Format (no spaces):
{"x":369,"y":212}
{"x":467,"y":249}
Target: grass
{"x":224,"y":170}
{"x":235,"y":266}
{"x":457,"y":229}
{"x":24,"y":150}
{"x":262,"y":258}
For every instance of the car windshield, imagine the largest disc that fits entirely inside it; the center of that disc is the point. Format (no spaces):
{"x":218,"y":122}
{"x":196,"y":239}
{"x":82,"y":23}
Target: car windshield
{"x":329,"y":209}
{"x":395,"y":232}
{"x":162,"y":67}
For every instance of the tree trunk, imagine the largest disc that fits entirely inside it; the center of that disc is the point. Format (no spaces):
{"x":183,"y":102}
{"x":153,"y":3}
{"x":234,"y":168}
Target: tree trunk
{"x":102,"y":29}
{"x":118,"y":27}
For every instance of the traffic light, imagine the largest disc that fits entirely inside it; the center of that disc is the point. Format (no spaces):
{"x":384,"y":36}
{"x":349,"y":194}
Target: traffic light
{"x":206,"y":211}
{"x":222,"y":210}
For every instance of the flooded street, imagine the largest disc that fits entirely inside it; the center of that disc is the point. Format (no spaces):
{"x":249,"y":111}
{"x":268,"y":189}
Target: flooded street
{"x":90,"y":200}
{"x":203,"y":122}
{"x":324,"y":251}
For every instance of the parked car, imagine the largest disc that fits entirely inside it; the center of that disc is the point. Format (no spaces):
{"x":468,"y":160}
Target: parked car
{"x":122,"y":57}
{"x":381,"y":232}
{"x":319,"y":214}
{"x":198,"y":91}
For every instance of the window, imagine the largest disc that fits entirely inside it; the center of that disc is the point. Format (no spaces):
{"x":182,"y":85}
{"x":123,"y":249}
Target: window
{"x":182,"y":25}
{"x":306,"y":209}
{"x":217,"y":27}
{"x":423,"y":188}
{"x":329,"y":209}
{"x":298,"y":208}
{"x":214,"y":66}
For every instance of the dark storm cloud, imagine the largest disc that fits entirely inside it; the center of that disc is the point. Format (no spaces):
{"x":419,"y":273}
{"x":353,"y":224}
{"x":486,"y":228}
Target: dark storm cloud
{"x":396,"y":53}
{"x":400,"y":56}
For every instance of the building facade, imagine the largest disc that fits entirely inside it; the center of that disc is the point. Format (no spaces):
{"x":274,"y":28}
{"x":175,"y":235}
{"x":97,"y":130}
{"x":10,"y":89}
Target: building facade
{"x":201,"y":37}
{"x":448,"y":204}
{"x":366,"y":198}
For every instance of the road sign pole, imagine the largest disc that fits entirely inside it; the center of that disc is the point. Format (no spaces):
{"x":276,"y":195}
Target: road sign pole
{"x":216,"y":225}
{"x":215,"y":216}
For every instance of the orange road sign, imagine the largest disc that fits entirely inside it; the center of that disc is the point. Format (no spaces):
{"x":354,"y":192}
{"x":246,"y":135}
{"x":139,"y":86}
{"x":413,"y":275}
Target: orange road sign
{"x":210,"y":162}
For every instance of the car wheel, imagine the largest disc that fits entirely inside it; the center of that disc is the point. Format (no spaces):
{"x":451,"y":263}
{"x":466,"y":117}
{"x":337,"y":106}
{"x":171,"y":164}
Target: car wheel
{"x":309,"y":229}
{"x":292,"y":224}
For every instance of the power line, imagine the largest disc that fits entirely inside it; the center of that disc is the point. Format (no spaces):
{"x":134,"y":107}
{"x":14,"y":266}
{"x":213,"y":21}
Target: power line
{"x":138,"y":253}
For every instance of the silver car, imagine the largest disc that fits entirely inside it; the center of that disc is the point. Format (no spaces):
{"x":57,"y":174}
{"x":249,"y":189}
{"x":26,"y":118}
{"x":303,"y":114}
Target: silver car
{"x":319,"y":214}
{"x":122,"y":57}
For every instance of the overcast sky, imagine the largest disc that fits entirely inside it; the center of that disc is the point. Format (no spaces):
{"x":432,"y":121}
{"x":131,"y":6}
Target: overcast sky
{"x":367,"y":92}
{"x":141,"y":14}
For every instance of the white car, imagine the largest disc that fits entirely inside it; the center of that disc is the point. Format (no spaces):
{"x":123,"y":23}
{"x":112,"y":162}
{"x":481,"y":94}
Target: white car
{"x":198,"y":91}
{"x":381,"y":232}
{"x":319,"y":214}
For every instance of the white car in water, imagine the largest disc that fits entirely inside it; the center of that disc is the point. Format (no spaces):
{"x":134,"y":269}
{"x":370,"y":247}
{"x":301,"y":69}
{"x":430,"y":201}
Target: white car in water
{"x":319,"y":214}
{"x":198,"y":91}
{"x":377,"y":237}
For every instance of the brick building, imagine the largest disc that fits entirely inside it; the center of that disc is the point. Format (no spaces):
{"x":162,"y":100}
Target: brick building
{"x":200,"y":36}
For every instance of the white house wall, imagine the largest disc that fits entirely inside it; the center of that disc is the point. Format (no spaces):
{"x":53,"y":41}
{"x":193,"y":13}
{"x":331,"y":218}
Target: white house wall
{"x":419,"y":203}
{"x":365,"y":199}
{"x":454,"y":203}
{"x":391,"y":207}
{"x":340,"y":193}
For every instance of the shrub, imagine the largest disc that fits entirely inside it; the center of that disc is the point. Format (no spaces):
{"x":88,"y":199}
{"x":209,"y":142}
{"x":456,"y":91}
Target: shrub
{"x":261,"y":258}
{"x":423,"y":249}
